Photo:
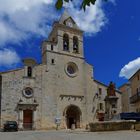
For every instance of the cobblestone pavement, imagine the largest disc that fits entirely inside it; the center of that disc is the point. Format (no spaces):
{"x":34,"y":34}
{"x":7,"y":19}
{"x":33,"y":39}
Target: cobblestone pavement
{"x":69,"y":135}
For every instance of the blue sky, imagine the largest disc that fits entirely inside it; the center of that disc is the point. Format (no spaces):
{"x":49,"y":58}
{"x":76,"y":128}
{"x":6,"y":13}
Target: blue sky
{"x":111,"y":39}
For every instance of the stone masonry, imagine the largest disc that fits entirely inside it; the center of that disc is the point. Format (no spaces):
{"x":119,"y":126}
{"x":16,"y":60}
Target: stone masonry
{"x":60,"y":91}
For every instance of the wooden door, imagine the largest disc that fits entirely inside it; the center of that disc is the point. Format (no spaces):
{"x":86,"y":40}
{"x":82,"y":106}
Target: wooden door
{"x":27,"y":119}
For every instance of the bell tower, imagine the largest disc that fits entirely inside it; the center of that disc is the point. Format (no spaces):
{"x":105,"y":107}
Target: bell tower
{"x":67,"y":76}
{"x":65,"y":37}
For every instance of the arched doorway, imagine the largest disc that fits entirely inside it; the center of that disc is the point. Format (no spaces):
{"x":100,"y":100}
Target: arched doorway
{"x":73,"y":114}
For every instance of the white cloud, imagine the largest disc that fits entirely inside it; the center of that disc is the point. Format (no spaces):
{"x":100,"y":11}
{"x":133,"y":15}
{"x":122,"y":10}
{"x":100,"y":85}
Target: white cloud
{"x":92,"y":20}
{"x":13,"y":6}
{"x":129,"y":69}
{"x":21,"y":18}
{"x":8,"y":34}
{"x":8,"y":58}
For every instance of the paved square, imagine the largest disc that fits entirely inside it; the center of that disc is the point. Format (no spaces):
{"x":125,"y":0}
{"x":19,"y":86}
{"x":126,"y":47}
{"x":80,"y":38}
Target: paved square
{"x":69,"y":135}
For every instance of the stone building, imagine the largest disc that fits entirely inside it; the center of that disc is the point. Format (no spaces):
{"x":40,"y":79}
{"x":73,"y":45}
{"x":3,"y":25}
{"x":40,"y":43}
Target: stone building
{"x":61,"y":89}
{"x":132,"y":92}
{"x":126,"y":93}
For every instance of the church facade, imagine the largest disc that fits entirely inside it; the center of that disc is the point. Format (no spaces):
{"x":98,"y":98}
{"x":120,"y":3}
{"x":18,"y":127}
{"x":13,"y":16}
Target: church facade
{"x":61,"y":90}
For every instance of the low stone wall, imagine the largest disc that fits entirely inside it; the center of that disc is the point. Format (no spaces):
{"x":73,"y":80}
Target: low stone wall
{"x":137,"y":126}
{"x":113,"y":126}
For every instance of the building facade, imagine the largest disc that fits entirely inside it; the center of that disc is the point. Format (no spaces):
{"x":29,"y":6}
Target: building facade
{"x":135,"y":91}
{"x":131,"y":91}
{"x":60,"y":90}
{"x":126,"y":94}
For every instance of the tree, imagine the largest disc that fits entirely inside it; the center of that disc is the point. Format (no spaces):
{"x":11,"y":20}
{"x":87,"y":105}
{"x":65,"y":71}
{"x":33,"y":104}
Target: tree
{"x":83,"y":4}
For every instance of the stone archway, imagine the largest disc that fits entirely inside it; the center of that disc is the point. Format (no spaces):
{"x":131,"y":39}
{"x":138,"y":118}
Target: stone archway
{"x":73,"y":114}
{"x":27,"y":116}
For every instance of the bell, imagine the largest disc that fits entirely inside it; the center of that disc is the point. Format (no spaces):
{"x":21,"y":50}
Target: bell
{"x":65,"y":43}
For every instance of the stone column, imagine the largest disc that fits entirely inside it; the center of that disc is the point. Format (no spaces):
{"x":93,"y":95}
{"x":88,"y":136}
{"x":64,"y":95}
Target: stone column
{"x":71,"y":43}
{"x":21,"y":119}
{"x":34,"y":119}
{"x":63,"y":122}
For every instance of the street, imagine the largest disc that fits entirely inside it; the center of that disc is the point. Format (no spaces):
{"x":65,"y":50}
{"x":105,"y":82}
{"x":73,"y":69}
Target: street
{"x":69,"y":135}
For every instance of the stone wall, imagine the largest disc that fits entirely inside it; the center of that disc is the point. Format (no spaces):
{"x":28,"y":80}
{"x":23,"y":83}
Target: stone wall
{"x":113,"y":126}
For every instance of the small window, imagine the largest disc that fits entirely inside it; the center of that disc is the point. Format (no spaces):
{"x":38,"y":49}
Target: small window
{"x":51,"y":47}
{"x":100,"y":91}
{"x":52,"y":61}
{"x":138,"y":77}
{"x":101,"y":106}
{"x":29,"y":72}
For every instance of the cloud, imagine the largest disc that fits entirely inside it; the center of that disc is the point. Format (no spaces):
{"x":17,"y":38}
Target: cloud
{"x":8,"y":34}
{"x":129,"y":69}
{"x":13,"y":6}
{"x":20,"y":19}
{"x":92,"y":20}
{"x":8,"y":58}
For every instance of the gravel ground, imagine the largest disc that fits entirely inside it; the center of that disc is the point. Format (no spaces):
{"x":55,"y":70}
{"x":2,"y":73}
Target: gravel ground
{"x":69,"y":135}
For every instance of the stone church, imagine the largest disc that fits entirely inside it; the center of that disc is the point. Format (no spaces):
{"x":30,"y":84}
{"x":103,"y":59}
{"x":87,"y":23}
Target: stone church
{"x":59,"y":91}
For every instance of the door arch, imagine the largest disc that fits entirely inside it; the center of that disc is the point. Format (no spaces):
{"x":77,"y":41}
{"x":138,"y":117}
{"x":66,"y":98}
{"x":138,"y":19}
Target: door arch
{"x":73,"y":115}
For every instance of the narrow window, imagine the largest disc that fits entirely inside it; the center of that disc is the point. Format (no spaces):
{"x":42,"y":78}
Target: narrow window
{"x":101,"y":106}
{"x":52,"y":61}
{"x":75,"y":44}
{"x":65,"y":42}
{"x":100,"y":91}
{"x":29,"y":72}
{"x":51,"y":47}
{"x":138,"y":77}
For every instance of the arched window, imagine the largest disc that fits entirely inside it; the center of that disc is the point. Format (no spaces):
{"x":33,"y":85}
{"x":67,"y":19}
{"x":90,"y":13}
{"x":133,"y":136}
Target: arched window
{"x":75,"y":44}
{"x":66,"y":42}
{"x":29,"y":72}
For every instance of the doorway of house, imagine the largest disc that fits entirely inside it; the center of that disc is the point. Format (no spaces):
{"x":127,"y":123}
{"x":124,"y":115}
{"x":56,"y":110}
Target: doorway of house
{"x":73,"y":114}
{"x":27,"y":119}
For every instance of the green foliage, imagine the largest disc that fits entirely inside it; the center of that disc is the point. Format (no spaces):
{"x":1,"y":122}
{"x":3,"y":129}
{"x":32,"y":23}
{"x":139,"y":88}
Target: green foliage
{"x":59,"y":4}
{"x":83,"y":5}
{"x":87,"y":3}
